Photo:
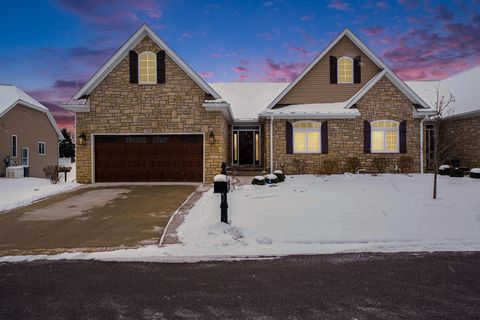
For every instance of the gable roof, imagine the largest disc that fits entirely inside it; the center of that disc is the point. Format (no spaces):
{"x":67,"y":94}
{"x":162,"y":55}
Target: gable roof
{"x":123,"y":52}
{"x":369,"y":53}
{"x":11,"y":96}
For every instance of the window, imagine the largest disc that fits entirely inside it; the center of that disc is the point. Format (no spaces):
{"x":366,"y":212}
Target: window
{"x":25,"y":157}
{"x":385,"y":136}
{"x":345,"y":70}
{"x":14,"y":146}
{"x":41,"y":148}
{"x":147,"y":71}
{"x":306,"y":137}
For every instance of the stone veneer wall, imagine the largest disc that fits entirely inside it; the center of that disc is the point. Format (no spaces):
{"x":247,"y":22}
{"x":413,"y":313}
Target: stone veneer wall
{"x":383,"y":102}
{"x":117,"y":106}
{"x":463,"y":140}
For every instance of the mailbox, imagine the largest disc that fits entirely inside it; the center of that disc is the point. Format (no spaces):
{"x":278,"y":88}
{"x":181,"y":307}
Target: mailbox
{"x":221,"y":184}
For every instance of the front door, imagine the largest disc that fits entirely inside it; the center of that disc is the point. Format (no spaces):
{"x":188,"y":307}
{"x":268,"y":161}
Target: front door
{"x":246,"y":147}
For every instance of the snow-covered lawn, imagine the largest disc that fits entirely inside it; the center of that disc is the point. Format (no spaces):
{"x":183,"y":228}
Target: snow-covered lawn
{"x":325,"y":214}
{"x":19,"y":192}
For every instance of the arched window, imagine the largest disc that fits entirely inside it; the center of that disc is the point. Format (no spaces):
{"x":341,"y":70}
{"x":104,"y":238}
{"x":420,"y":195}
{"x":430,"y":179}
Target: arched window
{"x":385,"y":136}
{"x":345,"y":70}
{"x":306,"y":137}
{"x":147,"y":71}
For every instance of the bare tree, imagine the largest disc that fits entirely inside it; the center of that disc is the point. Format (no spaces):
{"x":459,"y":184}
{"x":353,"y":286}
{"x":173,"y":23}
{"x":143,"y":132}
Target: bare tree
{"x":441,"y":142}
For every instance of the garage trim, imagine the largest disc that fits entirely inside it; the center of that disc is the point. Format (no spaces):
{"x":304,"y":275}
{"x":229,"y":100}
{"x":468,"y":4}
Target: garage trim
{"x":92,"y":139}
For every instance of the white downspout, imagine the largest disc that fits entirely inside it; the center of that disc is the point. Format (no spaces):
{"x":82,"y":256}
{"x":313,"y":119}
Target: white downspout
{"x":421,"y":144}
{"x":271,"y":144}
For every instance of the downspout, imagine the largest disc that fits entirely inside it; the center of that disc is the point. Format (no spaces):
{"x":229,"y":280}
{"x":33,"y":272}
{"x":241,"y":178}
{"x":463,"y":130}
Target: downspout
{"x":421,"y":144}
{"x":271,"y":143}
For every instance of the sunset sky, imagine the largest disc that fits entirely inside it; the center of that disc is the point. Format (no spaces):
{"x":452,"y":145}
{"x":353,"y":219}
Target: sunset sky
{"x":50,"y":48}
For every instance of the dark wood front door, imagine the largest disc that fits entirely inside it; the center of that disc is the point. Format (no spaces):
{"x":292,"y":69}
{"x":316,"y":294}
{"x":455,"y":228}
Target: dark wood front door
{"x":245,"y":147}
{"x":149,"y":158}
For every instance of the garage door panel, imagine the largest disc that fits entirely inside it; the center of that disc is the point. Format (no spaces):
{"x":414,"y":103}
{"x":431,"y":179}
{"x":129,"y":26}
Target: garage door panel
{"x":148,"y":158}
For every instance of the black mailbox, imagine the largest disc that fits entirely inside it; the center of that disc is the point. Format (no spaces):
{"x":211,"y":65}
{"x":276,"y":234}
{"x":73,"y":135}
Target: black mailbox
{"x":221,"y":187}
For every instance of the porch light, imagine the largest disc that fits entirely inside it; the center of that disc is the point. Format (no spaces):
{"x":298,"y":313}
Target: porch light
{"x":82,"y":139}
{"x":211,"y":137}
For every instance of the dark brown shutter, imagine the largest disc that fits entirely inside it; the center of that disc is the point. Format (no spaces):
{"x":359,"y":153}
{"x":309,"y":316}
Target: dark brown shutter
{"x":357,"y":70}
{"x":366,"y":136}
{"x":325,"y":137}
{"x":161,"y":67}
{"x":289,"y":137}
{"x":333,"y":69}
{"x":403,"y":136}
{"x":133,"y":67}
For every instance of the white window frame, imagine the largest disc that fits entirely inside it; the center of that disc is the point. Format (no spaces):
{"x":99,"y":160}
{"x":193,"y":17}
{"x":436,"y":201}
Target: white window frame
{"x":338,"y":70}
{"x":306,"y":130}
{"x":139,"y":68}
{"x":44,"y":148}
{"x":385,"y":129}
{"x":28,"y":157}
{"x":16,"y":146}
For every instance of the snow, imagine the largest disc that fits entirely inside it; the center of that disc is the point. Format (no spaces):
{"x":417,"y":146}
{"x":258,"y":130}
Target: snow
{"x":220,"y":178}
{"x":9,"y":95}
{"x":271,"y":176}
{"x":321,"y":214}
{"x":336,"y":109}
{"x":475,"y":170}
{"x":247,"y":99}
{"x":260,"y":178}
{"x":23,"y":191}
{"x":444,"y":167}
{"x":278,"y":172}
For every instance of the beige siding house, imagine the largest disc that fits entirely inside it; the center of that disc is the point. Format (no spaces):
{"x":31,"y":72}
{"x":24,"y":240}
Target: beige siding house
{"x":147,"y":116}
{"x":29,"y":135}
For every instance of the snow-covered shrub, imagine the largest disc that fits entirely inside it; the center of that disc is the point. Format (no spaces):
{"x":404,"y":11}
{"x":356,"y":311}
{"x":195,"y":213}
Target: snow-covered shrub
{"x":330,"y":166}
{"x":405,"y":164}
{"x":380,"y":164}
{"x":280,"y":175}
{"x":352,"y":164}
{"x":475,"y":173}
{"x":444,"y":170}
{"x":51,"y":173}
{"x":258,"y":180}
{"x":271,"y":178}
{"x":457,"y":172}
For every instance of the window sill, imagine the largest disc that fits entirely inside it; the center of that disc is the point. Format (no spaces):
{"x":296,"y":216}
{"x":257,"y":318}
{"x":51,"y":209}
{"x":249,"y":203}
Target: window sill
{"x":385,"y":152}
{"x":147,"y":84}
{"x":308,"y":152}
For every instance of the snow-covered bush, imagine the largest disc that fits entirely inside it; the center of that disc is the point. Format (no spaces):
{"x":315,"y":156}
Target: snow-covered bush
{"x":380,"y":164}
{"x":280,"y":175}
{"x":405,"y":164}
{"x":352,"y":164}
{"x":258,"y":180}
{"x":330,"y":166}
{"x":475,"y":173}
{"x":457,"y":172}
{"x":271,"y":178}
{"x":444,"y":170}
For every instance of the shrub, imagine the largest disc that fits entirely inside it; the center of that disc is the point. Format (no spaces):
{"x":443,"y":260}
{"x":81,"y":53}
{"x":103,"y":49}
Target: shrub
{"x":258,"y":180}
{"x":352,"y":164}
{"x":280,"y":175}
{"x":444,"y":170}
{"x":380,"y":164}
{"x":51,"y":173}
{"x":271,"y":178}
{"x":405,"y":164}
{"x":475,"y":173}
{"x":330,"y":166}
{"x":457,"y":172}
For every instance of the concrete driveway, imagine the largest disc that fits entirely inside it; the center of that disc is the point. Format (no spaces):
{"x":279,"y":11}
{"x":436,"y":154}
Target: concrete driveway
{"x":90,"y":218}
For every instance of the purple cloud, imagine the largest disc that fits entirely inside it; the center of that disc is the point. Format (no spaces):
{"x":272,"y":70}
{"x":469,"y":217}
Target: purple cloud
{"x":338,"y":4}
{"x":373,"y":31}
{"x":282,"y":71}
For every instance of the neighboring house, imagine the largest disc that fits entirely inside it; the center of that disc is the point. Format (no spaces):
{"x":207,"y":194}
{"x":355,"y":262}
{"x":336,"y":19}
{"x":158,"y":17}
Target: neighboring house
{"x":29,"y":134}
{"x":147,"y":116}
{"x":462,"y":123}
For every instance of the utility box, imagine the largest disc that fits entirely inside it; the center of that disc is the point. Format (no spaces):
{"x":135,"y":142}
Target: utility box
{"x":15,"y":172}
{"x":221,"y":184}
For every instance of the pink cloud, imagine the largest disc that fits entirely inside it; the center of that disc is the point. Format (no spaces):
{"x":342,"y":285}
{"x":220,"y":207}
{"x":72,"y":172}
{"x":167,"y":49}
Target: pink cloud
{"x":239,"y":69}
{"x":410,"y":4}
{"x":373,"y":31}
{"x":338,"y":4}
{"x":243,"y":77}
{"x":307,"y":17}
{"x":282,"y":71}
{"x":207,"y":74}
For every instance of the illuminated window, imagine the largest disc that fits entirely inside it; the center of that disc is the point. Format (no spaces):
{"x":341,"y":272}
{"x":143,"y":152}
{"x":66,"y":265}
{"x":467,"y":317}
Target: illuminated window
{"x":147,"y":71}
{"x":306,"y":137}
{"x":345,"y":70}
{"x":385,"y":136}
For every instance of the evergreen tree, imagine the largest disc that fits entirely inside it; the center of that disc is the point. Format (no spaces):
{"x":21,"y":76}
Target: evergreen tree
{"x":67,"y":147}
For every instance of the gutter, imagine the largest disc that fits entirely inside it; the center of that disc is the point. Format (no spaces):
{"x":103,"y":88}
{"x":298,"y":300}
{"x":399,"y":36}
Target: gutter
{"x":311,"y":115}
{"x":224,"y":107}
{"x":421,"y":144}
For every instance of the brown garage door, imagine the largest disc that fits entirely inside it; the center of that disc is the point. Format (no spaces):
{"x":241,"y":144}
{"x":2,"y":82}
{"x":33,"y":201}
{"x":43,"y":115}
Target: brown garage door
{"x":149,"y":158}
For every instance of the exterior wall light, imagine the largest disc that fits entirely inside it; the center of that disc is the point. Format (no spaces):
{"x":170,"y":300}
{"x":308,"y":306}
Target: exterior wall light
{"x":82,"y":139}
{"x":211,"y":137}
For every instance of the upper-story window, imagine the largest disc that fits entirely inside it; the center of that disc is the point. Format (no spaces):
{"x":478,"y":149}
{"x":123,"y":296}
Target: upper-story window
{"x":306,"y":137}
{"x":147,"y":68}
{"x":345,"y":70}
{"x":385,"y":136}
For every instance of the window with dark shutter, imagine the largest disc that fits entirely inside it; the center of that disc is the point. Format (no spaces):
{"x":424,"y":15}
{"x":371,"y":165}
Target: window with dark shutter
{"x":403,"y":137}
{"x":333,"y":69}
{"x":133,"y":67}
{"x":357,"y":70}
{"x":161,"y":66}
{"x":366,"y":136}
{"x":325,"y":137}
{"x":289,"y":137}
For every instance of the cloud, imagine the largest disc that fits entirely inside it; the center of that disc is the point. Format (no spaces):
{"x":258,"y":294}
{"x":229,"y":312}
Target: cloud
{"x":307,"y":17}
{"x":239,"y":69}
{"x":207,"y":74}
{"x":443,"y":14}
{"x":282,"y":71}
{"x":338,"y":4}
{"x":410,"y":4}
{"x":373,"y":31}
{"x":218,"y":55}
{"x":59,"y":91}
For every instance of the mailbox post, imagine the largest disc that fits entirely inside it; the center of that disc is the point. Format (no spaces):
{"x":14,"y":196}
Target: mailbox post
{"x":222,"y":186}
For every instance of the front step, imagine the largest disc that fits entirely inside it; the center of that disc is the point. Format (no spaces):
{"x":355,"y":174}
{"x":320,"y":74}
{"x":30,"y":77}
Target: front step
{"x":248,"y":171}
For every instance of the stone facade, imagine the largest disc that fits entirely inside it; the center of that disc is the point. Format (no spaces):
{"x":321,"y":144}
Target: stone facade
{"x":117,"y":106}
{"x":383,"y":102}
{"x":462,"y":137}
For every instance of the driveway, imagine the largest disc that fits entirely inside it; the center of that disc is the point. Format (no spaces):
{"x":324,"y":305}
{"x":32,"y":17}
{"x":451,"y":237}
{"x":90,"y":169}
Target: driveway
{"x":90,"y":218}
